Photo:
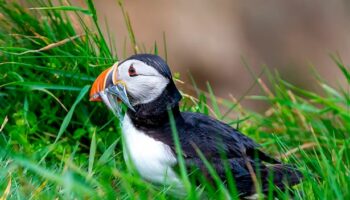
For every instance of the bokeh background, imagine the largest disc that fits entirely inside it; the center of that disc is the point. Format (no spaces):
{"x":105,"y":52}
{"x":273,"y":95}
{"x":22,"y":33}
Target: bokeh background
{"x":209,"y":38}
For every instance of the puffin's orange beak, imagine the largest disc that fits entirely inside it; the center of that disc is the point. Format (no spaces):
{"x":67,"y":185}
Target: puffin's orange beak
{"x":110,"y":90}
{"x":99,"y":84}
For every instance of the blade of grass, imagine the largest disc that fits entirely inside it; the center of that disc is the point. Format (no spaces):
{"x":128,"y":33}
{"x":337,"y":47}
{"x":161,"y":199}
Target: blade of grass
{"x":92,"y":153}
{"x":41,"y":86}
{"x":214,"y":103}
{"x":179,"y":153}
{"x":7,"y":190}
{"x":211,"y":171}
{"x":108,"y":153}
{"x":129,"y":27}
{"x":65,"y":8}
{"x":69,"y":115}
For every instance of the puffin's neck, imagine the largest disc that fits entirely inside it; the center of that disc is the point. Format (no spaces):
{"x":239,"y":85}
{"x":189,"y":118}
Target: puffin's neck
{"x":156,"y":112}
{"x":149,"y":121}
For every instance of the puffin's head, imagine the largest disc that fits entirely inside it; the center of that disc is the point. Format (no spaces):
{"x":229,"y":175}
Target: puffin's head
{"x":141,"y":80}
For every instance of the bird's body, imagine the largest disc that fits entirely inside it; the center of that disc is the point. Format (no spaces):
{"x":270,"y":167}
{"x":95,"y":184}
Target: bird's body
{"x":153,"y":159}
{"x":149,"y":138}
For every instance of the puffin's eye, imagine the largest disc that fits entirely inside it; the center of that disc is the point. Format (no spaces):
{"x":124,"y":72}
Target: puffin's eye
{"x":132,"y":71}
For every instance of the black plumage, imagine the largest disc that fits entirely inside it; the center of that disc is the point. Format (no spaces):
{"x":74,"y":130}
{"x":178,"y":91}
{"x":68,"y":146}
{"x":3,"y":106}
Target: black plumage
{"x":212,"y":137}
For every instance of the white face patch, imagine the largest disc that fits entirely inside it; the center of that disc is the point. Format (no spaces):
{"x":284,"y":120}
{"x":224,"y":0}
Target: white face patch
{"x":146,"y":86}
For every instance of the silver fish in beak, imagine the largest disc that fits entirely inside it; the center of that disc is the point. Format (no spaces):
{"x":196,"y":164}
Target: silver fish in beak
{"x":111,"y":91}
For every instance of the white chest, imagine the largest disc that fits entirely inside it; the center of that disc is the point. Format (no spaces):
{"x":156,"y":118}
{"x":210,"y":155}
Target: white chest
{"x":152,"y":159}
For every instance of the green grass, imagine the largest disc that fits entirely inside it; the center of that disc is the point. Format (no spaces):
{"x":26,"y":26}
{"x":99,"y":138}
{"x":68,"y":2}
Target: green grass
{"x":54,"y":143}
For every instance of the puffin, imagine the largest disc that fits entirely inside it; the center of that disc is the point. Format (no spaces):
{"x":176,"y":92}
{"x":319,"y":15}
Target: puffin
{"x":144,"y":84}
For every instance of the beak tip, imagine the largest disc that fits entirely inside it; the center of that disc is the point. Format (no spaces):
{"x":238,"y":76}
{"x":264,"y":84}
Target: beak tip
{"x":95,"y":97}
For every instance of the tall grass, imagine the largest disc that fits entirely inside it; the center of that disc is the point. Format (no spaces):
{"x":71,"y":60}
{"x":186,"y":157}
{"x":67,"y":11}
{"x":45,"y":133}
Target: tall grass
{"x":55,"y":144}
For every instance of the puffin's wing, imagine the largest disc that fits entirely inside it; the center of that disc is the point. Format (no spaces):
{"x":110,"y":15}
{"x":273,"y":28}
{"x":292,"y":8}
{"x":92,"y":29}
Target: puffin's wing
{"x":213,"y":138}
{"x":279,"y":175}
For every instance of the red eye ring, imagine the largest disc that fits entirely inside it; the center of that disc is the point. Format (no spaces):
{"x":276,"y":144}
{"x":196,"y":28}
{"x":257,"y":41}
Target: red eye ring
{"x":132,"y":71}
